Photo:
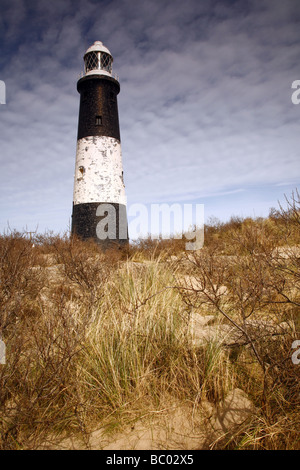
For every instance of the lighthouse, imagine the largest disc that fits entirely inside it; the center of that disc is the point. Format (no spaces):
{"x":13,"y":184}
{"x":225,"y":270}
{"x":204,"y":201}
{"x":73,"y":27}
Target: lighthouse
{"x":99,"y":200}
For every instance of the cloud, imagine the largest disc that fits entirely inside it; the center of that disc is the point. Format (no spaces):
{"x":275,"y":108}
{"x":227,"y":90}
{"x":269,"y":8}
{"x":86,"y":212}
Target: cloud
{"x":205,"y":103}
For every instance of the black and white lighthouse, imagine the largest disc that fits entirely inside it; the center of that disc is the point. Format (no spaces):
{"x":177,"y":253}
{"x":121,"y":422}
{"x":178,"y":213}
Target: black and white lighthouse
{"x":99,"y":202}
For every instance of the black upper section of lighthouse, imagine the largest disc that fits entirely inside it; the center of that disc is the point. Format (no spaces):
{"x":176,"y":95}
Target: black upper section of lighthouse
{"x":98,"y":111}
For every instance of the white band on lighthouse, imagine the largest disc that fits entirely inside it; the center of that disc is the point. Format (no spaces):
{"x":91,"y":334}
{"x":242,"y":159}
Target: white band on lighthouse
{"x":99,"y":171}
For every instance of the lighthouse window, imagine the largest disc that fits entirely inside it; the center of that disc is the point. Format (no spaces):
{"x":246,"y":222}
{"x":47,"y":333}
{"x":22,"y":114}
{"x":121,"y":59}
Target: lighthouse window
{"x":98,"y":120}
{"x":106,"y":62}
{"x":81,"y":170}
{"x":91,"y":61}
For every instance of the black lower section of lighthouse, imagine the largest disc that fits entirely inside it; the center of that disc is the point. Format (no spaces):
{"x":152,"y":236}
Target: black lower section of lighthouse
{"x":106,"y":223}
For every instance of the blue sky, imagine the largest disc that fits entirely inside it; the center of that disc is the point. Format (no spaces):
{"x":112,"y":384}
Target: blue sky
{"x":205,"y":105}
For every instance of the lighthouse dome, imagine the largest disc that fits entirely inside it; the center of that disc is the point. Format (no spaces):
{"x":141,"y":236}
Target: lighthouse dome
{"x":98,"y":59}
{"x":98,"y":47}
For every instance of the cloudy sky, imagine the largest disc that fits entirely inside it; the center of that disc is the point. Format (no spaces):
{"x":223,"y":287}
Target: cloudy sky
{"x":205,"y":107}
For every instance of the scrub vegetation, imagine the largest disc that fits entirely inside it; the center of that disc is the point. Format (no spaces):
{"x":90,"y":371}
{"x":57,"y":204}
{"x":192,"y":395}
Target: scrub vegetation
{"x":103,"y":339}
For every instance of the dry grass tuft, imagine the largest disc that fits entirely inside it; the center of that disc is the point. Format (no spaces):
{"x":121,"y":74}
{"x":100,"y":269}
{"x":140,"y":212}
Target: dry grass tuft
{"x":99,"y":339}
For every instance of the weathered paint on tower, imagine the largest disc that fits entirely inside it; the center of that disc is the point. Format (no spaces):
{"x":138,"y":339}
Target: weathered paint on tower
{"x":99,"y":169}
